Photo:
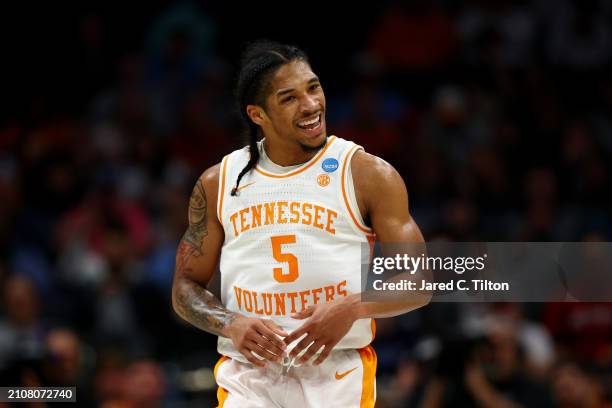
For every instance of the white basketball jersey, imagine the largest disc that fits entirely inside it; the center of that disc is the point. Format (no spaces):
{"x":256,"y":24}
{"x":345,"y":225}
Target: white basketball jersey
{"x":292,"y":240}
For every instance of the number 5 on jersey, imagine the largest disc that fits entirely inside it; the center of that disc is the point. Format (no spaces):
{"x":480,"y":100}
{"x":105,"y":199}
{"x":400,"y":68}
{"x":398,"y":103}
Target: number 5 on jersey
{"x":291,"y":259}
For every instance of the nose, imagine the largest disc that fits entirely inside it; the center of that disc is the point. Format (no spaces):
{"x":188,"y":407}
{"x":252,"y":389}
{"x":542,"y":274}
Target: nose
{"x":309,"y":105}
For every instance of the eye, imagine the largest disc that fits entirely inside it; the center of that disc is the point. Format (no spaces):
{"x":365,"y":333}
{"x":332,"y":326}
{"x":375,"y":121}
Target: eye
{"x":315,"y":86}
{"x":287,"y":99}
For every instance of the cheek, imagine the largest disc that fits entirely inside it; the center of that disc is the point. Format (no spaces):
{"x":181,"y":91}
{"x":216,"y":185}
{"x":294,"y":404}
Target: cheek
{"x":285,"y":117}
{"x":281,"y":120}
{"x":321,"y":98}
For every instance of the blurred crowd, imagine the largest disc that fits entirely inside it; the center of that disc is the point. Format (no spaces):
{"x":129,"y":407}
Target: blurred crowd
{"x":497,"y":114}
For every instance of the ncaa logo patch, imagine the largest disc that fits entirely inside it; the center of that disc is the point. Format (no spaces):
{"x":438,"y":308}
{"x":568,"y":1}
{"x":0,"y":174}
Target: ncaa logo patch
{"x":330,"y":165}
{"x":323,"y":180}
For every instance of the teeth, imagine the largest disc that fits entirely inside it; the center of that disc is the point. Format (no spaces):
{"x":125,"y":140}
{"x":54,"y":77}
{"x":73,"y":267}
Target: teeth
{"x":310,"y":122}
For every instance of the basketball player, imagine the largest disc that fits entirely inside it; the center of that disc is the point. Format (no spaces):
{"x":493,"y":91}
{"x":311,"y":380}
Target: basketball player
{"x":286,"y":217}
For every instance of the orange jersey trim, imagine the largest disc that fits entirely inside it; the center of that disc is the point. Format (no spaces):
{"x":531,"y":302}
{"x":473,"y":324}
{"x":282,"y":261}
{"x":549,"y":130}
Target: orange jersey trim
{"x":223,"y":172}
{"x":373,"y":326}
{"x":344,"y":196}
{"x":222,"y":393}
{"x":306,"y":167}
{"x":368,"y":384}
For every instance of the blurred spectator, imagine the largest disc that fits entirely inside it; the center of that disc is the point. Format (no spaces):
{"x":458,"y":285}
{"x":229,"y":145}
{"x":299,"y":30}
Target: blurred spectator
{"x":461,"y":221}
{"x":144,"y":384}
{"x":490,"y":374}
{"x":101,"y":212}
{"x":458,"y":122}
{"x":533,"y":338}
{"x":66,"y":363}
{"x":140,"y":384}
{"x":576,"y":386}
{"x":109,"y":375}
{"x":541,"y":212}
{"x":508,"y":26}
{"x":582,"y":331}
{"x":580,"y":34}
{"x":22,"y":331}
{"x":403,"y":388}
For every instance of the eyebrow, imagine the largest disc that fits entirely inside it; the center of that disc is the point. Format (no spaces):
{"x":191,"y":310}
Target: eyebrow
{"x":284,"y":91}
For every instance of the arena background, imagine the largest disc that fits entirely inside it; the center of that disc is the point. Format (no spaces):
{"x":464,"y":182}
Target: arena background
{"x":498,"y":114}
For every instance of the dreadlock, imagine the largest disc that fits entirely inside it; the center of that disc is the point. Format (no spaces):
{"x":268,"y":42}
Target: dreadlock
{"x":260,"y":61}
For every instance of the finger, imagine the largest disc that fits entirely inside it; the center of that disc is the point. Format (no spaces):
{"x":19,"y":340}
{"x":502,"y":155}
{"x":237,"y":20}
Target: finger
{"x":272,"y":346}
{"x":275,"y":328}
{"x":270,"y":336}
{"x":312,"y":350}
{"x":299,"y":332}
{"x":251,"y":358}
{"x":301,"y":346}
{"x":304,"y":313}
{"x":326,"y":352}
{"x":261,"y":351}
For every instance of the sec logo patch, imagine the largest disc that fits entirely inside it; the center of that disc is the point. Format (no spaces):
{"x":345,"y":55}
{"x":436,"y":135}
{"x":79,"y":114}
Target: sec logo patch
{"x":323,"y":180}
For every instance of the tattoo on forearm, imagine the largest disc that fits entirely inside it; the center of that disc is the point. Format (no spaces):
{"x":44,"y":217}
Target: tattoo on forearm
{"x":202,"y":309}
{"x":196,"y":304}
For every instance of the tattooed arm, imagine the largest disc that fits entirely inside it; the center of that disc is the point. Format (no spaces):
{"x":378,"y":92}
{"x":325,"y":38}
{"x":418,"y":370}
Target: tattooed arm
{"x":196,"y":261}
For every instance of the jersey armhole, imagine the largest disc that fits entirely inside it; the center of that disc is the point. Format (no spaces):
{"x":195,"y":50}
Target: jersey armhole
{"x":348,"y":193}
{"x":221,"y":189}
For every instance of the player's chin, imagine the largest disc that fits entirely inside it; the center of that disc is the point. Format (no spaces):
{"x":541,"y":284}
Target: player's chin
{"x":316,"y":140}
{"x":313,"y":143}
{"x":312,"y":138}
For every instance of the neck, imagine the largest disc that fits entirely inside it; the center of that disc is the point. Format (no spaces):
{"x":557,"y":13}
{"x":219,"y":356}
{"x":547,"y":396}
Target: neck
{"x":285,"y":154}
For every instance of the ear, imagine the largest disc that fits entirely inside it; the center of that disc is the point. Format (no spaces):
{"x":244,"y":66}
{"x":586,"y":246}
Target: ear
{"x":256,"y":113}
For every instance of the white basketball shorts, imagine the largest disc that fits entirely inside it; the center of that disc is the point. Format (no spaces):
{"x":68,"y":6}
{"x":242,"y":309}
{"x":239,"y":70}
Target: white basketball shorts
{"x":347,"y":378}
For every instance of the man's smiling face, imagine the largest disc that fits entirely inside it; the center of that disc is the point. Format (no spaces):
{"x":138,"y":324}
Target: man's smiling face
{"x":295,"y":107}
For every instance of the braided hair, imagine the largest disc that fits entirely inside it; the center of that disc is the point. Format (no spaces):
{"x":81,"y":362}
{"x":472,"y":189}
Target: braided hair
{"x":260,"y":61}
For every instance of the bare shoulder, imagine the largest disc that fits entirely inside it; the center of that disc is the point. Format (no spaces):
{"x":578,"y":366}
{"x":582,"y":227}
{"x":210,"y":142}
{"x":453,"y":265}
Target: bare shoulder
{"x":208,"y":183}
{"x":210,"y":176}
{"x":373,"y":175}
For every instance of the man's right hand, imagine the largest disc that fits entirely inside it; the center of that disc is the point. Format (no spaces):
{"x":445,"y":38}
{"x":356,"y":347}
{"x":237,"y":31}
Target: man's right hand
{"x":251,"y":335}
